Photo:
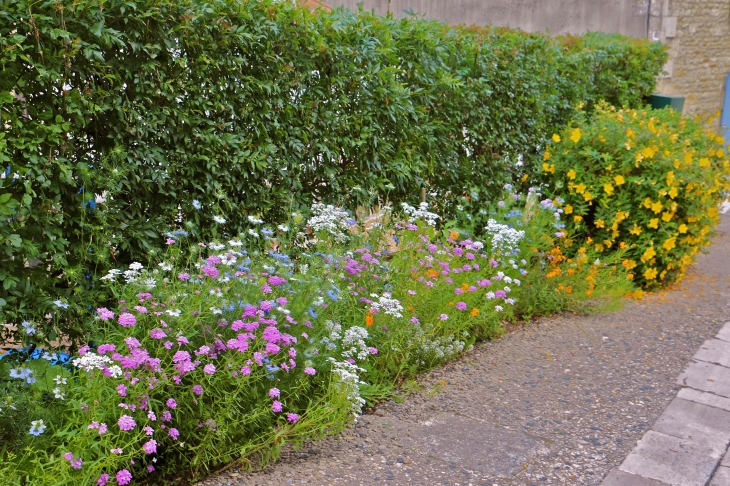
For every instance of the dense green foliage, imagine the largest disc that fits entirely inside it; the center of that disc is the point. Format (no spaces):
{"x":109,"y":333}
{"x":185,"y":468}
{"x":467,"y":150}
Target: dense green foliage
{"x":119,"y":114}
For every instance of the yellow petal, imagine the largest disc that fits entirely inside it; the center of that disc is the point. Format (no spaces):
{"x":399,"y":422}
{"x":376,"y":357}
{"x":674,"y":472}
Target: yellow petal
{"x":575,"y":135}
{"x":556,"y":138}
{"x":619,"y":180}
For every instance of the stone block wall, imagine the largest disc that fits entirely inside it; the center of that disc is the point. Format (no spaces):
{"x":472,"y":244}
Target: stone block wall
{"x":698,"y":35}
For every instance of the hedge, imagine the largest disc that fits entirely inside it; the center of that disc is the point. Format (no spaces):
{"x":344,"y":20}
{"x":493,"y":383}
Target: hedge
{"x":119,"y":115}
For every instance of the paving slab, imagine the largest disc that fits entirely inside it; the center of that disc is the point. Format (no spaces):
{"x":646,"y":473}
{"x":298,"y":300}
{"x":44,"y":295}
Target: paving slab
{"x":726,"y":459}
{"x":721,"y":477}
{"x":705,"y":398}
{"x":707,"y":377}
{"x":724,"y":333}
{"x":620,"y":478}
{"x":714,"y":351}
{"x":675,"y":461}
{"x":702,"y":424}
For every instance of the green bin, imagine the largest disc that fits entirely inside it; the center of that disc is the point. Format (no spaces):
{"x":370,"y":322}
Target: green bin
{"x":658,"y":101}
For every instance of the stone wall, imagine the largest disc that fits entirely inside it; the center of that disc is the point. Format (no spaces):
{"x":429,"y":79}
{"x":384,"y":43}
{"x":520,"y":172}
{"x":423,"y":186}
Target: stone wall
{"x":698,"y":35}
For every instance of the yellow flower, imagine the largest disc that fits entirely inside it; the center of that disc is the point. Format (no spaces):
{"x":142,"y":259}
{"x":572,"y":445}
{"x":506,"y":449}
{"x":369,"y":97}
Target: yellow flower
{"x":546,"y":155}
{"x":568,"y":209}
{"x":571,"y":174}
{"x":599,"y":247}
{"x":636,"y":231}
{"x":630,"y":133}
{"x":577,"y":218}
{"x":556,"y":138}
{"x":608,"y":188}
{"x":648,"y":254}
{"x":575,"y":135}
{"x":580,"y":188}
{"x":682,"y":228}
{"x":608,"y":243}
{"x":704,"y":162}
{"x":670,"y":177}
{"x":667,"y":216}
{"x":654,"y":223}
{"x":621,"y":215}
{"x":548,"y":168}
{"x":656,"y":207}
{"x":650,"y":274}
{"x":647,"y":203}
{"x":669,"y":244}
{"x":648,"y":152}
{"x":629,"y":264}
{"x":622,"y":245}
{"x":619,"y":180}
{"x":474,"y":312}
{"x":524,"y":177}
{"x":673,"y":192}
{"x":600,"y":223}
{"x":587,"y":196}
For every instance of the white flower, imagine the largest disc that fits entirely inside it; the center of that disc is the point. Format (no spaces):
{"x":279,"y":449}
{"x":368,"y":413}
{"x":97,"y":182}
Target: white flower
{"x":165,"y":266}
{"x":136,"y":266}
{"x":255,"y":220}
{"x":173,"y":312}
{"x":283,"y":228}
{"x":330,"y":219}
{"x":216,"y":310}
{"x":498,"y":308}
{"x":507,"y":289}
{"x":510,"y":301}
{"x":59,"y":380}
{"x":216,"y":246}
{"x":490,"y":295}
{"x":391,"y":307}
{"x":253,"y":233}
{"x":235,"y":243}
{"x":504,"y":238}
{"x":420,"y":213}
{"x":508,"y":279}
{"x":353,"y":343}
{"x":91,"y":361}
{"x":58,"y":393}
{"x":219,"y":219}
{"x":517,"y":282}
{"x":29,"y":328}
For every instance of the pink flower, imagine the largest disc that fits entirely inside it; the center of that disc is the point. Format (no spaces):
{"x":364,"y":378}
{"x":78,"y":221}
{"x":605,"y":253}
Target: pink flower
{"x":124,"y":477}
{"x":166,"y":416}
{"x":210,"y":271}
{"x":126,"y":422}
{"x":458,"y":290}
{"x":106,"y":348}
{"x":277,"y":406}
{"x":169,"y":241}
{"x":443,"y":317}
{"x":150,"y":468}
{"x":151,"y":415}
{"x":274,"y":393}
{"x":198,"y":389}
{"x":122,"y":389}
{"x":148,"y":430}
{"x":310,"y":371}
{"x":266,"y":289}
{"x":174,"y":433}
{"x":116,"y":451}
{"x":461,"y":306}
{"x":209,"y":369}
{"x":141,"y":309}
{"x":103,"y":479}
{"x":102,"y":428}
{"x":293,"y":418}
{"x":171,"y":403}
{"x":157,"y":334}
{"x":183,"y":276}
{"x":246,"y":370}
{"x":414,"y":320}
{"x":373,"y":350}
{"x":75,"y":463}
{"x":150,"y":447}
{"x":127,"y":320}
{"x":105,"y":314}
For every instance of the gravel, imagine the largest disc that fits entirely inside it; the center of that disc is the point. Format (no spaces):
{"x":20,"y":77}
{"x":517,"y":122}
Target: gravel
{"x":561,"y":400}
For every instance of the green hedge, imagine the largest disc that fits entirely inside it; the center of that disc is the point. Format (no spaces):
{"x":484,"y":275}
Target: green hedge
{"x":255,"y":108}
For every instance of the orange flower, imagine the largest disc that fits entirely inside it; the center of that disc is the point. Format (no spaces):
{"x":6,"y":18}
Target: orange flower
{"x":432,"y":273}
{"x":369,"y":320}
{"x":474,"y":312}
{"x":453,"y":235}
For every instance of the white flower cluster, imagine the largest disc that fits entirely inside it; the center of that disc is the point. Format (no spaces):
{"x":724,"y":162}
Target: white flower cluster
{"x":391,"y":307}
{"x":334,"y":221}
{"x":348,"y":382}
{"x":92,"y":361}
{"x":353,"y":343}
{"x":58,"y":391}
{"x":421,"y":212}
{"x":504,"y":238}
{"x":431,"y":350}
{"x":335,"y":334}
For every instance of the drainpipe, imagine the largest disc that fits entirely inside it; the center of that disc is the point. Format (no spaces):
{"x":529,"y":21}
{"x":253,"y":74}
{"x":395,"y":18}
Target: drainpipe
{"x":648,"y":21}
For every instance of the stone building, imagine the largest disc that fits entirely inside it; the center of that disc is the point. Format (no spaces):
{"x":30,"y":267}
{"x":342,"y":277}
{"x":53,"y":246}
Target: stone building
{"x":697,"y":32}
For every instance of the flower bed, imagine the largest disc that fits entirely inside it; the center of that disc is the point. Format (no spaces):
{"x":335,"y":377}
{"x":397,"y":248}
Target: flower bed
{"x":225,"y":350}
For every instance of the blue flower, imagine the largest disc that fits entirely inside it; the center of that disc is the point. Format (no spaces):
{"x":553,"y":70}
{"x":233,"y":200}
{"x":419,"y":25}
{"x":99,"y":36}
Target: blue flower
{"x":333,"y":295}
{"x":196,"y":204}
{"x":267,"y":232}
{"x":312,"y":313}
{"x":60,"y":303}
{"x":37,"y":427}
{"x":29,"y":329}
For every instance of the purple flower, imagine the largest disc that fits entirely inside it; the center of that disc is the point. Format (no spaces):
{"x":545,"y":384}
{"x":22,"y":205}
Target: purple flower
{"x":102,"y":428}
{"x":150,"y":447}
{"x":169,"y":241}
{"x":166,"y":416}
{"x":122,"y":389}
{"x":461,"y":306}
{"x":105,"y":314}
{"x":293,"y":418}
{"x":106,"y":348}
{"x":126,"y":422}
{"x":198,"y":389}
{"x":75,"y":463}
{"x":274,"y":280}
{"x":183,"y":276}
{"x":277,"y":406}
{"x":141,"y":309}
{"x":458,"y":290}
{"x":174,"y":433}
{"x":246,"y":370}
{"x":103,"y":479}
{"x":414,"y":320}
{"x":124,"y":477}
{"x":157,"y":333}
{"x":127,"y":320}
{"x":210,"y":271}
{"x":116,"y":451}
{"x":171,"y":403}
{"x":373,"y":350}
{"x":265,"y":288}
{"x":500,"y":294}
{"x":150,"y":468}
{"x":209,"y":369}
{"x":274,"y":393}
{"x":443,"y":317}
{"x":310,"y":371}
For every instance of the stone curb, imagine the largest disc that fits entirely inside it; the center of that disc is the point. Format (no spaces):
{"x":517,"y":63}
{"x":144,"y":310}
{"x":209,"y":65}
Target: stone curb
{"x":688,"y":443}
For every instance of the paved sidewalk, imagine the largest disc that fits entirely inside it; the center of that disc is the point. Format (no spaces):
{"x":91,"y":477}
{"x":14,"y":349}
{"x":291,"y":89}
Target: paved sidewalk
{"x":688,"y":444}
{"x":561,"y":401}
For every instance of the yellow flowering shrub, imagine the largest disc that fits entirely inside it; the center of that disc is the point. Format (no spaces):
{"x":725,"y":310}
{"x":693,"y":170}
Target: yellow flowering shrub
{"x":645,"y":182}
